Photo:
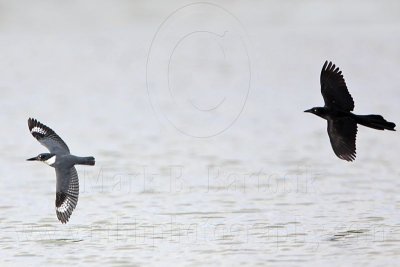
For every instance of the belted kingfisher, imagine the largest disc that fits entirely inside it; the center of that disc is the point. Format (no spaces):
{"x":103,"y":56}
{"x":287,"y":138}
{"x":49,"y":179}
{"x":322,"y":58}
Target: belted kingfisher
{"x":67,"y":184}
{"x":342,"y":123}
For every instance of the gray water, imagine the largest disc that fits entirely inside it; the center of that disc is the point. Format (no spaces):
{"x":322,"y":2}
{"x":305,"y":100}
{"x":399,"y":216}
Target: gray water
{"x":194,"y":114}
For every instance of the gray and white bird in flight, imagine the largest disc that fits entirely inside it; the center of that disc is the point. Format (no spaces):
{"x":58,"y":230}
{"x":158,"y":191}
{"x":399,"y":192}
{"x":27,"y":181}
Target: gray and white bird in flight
{"x":67,"y":184}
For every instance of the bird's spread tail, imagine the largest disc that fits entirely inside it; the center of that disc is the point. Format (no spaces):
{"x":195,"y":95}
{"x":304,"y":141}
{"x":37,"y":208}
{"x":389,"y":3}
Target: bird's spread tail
{"x":375,"y":122}
{"x":86,"y":161}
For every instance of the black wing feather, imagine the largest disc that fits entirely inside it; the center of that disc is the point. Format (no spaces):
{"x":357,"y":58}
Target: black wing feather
{"x":342,"y":134}
{"x":67,"y":193}
{"x":334,"y":89}
{"x":47,"y":137}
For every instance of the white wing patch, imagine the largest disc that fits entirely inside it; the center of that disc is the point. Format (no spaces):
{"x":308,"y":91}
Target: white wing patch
{"x":64,"y":206}
{"x":38,"y":130}
{"x":67,"y":194}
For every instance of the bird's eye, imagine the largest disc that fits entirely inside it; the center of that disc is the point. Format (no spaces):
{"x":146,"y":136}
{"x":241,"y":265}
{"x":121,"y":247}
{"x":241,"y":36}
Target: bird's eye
{"x":315,"y":110}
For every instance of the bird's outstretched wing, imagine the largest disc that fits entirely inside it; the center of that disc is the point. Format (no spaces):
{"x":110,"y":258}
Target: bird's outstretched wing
{"x":67,"y":193}
{"x":342,"y":134}
{"x":334,"y":89}
{"x":47,"y":137}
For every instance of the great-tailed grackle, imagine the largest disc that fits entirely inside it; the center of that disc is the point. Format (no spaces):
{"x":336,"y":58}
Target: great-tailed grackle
{"x":342,"y":123}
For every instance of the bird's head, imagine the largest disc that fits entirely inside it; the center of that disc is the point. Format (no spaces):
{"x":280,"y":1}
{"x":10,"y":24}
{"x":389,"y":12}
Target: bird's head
{"x":319,"y":111}
{"x":47,"y":158}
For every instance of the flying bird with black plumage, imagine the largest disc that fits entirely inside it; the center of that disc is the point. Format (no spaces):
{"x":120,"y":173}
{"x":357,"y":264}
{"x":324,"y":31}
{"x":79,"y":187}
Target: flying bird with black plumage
{"x":60,"y":158}
{"x":342,"y":123}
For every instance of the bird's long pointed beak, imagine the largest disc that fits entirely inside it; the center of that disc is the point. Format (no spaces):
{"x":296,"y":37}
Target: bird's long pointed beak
{"x":308,"y":110}
{"x":32,"y":159}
